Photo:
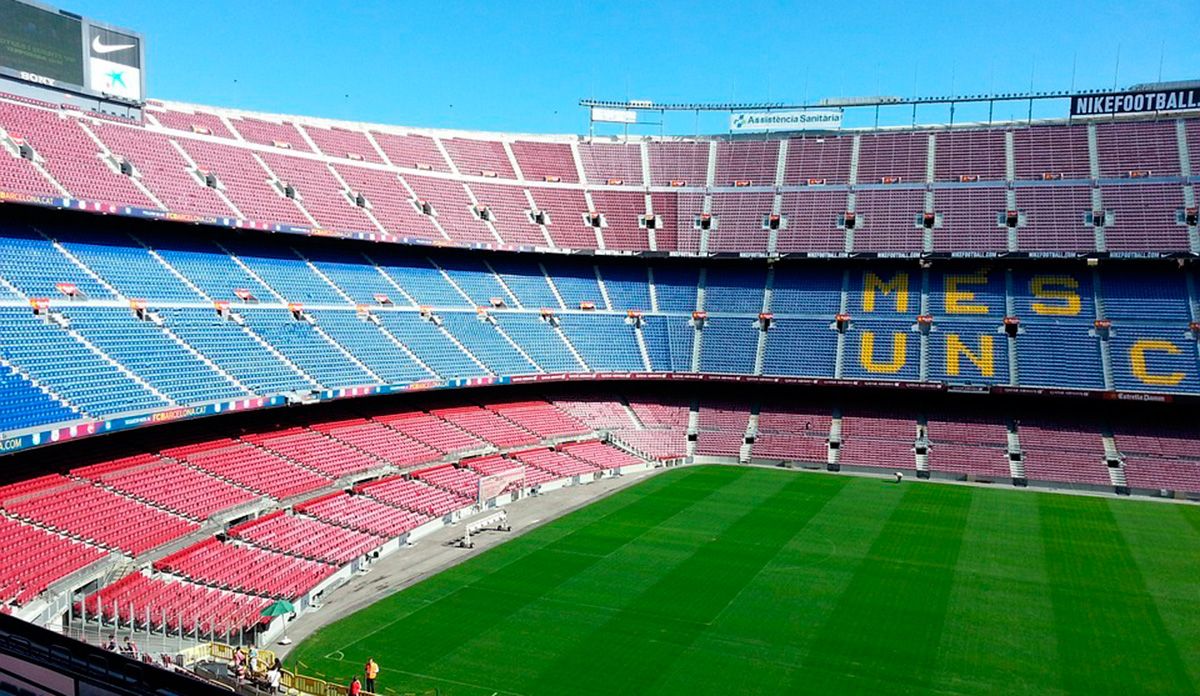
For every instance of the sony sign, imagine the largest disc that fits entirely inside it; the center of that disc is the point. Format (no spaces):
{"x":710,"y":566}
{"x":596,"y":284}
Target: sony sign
{"x":1134,"y":102}
{"x":785,"y":120}
{"x":30,"y":77}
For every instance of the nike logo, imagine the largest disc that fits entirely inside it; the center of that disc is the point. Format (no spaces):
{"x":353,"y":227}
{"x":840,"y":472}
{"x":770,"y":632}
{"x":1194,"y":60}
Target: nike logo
{"x":102,"y":48}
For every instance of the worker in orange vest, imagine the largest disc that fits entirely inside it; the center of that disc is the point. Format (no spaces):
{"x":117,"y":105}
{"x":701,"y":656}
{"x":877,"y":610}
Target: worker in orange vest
{"x":371,"y":670}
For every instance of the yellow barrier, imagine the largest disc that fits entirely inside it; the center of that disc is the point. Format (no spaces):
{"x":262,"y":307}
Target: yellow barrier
{"x":220,"y":651}
{"x":308,"y":685}
{"x":196,"y":653}
{"x":290,"y":681}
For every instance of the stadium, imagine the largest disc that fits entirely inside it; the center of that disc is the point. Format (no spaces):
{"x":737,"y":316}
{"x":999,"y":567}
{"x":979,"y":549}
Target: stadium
{"x":799,"y":407}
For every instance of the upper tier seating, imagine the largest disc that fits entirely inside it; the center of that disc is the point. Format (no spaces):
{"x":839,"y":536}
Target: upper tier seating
{"x":343,"y":143}
{"x":540,"y":161}
{"x":411,"y":151}
{"x":606,"y":162}
{"x":190,"y":120}
{"x":69,"y":155}
{"x":264,"y":169}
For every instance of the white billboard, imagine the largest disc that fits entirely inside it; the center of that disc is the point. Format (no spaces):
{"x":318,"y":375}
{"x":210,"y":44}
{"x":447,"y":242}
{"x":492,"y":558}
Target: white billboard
{"x":613,"y":115}
{"x":784,"y":120}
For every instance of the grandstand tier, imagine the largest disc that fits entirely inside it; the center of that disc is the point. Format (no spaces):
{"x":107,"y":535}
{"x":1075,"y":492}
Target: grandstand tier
{"x":288,"y":532}
{"x":104,"y":323}
{"x":1078,"y":187}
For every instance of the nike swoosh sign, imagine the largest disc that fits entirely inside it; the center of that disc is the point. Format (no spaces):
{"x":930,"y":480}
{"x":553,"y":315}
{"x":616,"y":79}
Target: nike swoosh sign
{"x":103,"y":48}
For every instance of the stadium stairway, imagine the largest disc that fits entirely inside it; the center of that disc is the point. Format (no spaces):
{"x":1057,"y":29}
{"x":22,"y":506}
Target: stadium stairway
{"x":693,"y":426}
{"x":835,"y":441}
{"x":1015,"y":462}
{"x":553,"y":286}
{"x":748,"y":437}
{"x":1115,"y":461}
{"x":643,"y":351}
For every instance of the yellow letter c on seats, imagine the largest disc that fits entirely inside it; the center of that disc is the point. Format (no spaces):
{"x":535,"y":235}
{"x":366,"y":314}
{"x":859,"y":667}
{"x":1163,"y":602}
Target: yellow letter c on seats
{"x":1137,"y":362}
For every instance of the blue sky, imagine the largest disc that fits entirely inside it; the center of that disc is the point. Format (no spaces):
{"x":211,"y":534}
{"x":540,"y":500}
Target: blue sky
{"x":522,"y":66}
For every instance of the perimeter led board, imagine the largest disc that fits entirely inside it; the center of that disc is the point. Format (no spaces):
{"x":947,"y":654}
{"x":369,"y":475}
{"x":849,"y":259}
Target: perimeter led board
{"x":49,"y":47}
{"x":41,"y":43}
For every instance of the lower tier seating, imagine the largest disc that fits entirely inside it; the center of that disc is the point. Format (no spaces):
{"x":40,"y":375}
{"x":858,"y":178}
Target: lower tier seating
{"x":178,"y":605}
{"x":34,"y":558}
{"x":246,"y":569}
{"x":363,"y":514}
{"x":306,"y":537}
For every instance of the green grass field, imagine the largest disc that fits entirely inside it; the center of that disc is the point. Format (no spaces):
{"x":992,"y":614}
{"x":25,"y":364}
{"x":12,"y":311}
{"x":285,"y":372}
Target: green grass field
{"x":722,"y":580}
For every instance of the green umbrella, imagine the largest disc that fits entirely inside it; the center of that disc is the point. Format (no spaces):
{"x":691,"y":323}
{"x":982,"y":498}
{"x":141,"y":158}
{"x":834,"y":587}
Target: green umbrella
{"x":279,"y":607}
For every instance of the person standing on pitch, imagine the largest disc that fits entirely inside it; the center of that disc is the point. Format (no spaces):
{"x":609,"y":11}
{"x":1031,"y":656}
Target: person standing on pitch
{"x":355,"y":687}
{"x":371,"y":670}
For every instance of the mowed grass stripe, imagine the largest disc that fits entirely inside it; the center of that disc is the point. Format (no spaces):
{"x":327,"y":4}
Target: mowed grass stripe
{"x":884,"y":633}
{"x":1000,"y":613}
{"x":665,"y":618}
{"x":759,"y":642}
{"x":1191,"y":514}
{"x":1164,"y":548}
{"x":434,"y":628}
{"x":1111,"y":638}
{"x":574,"y":609}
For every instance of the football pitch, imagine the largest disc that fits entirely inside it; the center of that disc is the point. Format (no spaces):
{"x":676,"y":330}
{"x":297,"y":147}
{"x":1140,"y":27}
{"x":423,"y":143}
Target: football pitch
{"x":724,"y":580}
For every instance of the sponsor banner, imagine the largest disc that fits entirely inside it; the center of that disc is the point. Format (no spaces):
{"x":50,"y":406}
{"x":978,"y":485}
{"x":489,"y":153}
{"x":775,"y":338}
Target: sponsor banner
{"x":115,"y":47}
{"x":784,"y":120}
{"x":1135,"y":102}
{"x":16,"y":443}
{"x":50,"y":201}
{"x":613,"y":115}
{"x":114,"y":79}
{"x":114,"y":63}
{"x":1049,"y":391}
